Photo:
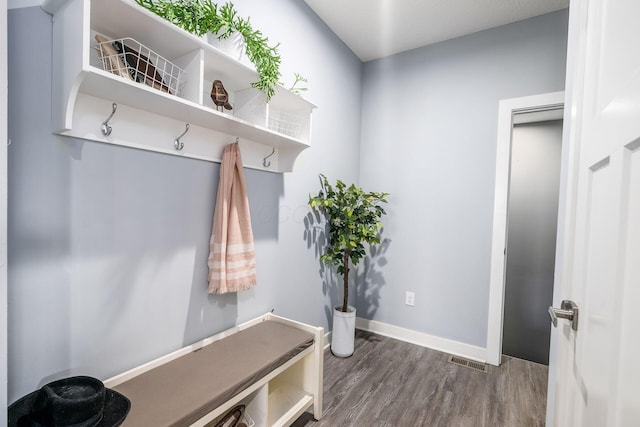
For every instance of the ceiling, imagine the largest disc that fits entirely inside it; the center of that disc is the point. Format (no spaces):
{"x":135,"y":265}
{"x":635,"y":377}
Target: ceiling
{"x":376,"y":28}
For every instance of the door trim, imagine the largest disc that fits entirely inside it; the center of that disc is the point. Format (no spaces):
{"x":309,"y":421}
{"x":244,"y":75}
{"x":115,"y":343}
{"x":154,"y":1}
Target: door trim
{"x":507,"y":108}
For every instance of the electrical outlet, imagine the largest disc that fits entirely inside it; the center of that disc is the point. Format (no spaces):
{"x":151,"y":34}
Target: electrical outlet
{"x":410,"y":299}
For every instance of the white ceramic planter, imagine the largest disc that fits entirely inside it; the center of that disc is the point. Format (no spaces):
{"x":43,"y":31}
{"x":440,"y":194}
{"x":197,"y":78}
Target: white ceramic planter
{"x":344,"y":331}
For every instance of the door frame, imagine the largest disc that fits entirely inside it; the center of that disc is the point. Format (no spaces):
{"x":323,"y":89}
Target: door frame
{"x":549,"y":106}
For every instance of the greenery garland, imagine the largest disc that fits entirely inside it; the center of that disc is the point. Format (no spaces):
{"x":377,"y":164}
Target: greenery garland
{"x":202,"y":16}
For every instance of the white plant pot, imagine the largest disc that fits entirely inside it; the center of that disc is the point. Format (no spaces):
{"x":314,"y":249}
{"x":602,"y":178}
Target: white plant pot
{"x":344,"y":331}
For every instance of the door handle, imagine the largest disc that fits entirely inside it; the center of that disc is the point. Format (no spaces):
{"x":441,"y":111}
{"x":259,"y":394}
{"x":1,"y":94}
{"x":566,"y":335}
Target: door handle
{"x":568,"y":310}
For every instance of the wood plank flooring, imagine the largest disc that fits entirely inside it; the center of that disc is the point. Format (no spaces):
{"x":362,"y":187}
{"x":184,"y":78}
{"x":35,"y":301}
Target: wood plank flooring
{"x":392,"y":383}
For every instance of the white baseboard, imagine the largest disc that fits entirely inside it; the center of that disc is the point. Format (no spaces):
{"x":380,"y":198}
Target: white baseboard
{"x":327,"y":340}
{"x":468,"y":351}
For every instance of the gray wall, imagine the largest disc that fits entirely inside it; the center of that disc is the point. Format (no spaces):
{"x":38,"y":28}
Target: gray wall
{"x":429,"y":138}
{"x":108,"y":245}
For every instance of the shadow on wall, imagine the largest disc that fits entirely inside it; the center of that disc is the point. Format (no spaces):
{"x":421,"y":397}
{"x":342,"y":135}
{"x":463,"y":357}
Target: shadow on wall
{"x":264,"y":190}
{"x":316,"y":232}
{"x":369,"y":279}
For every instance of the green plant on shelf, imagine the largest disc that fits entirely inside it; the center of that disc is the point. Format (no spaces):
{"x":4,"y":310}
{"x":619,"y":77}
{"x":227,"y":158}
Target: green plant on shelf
{"x":200,"y":17}
{"x":295,"y":88}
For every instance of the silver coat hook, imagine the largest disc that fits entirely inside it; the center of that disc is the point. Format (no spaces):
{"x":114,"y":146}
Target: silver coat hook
{"x":104,"y":127}
{"x":179,"y":145}
{"x":265,"y":163}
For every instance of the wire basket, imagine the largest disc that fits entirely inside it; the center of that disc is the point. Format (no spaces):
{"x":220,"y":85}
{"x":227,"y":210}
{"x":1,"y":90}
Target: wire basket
{"x":134,"y":61}
{"x":288,"y":123}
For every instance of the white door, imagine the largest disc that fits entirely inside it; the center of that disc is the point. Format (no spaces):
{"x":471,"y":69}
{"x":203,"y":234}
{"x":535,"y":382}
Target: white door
{"x":598,"y":366}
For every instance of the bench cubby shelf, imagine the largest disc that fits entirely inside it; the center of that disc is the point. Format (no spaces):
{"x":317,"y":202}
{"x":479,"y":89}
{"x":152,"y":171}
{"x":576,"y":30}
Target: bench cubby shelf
{"x":278,"y":399}
{"x":150,"y":119}
{"x":289,"y":383}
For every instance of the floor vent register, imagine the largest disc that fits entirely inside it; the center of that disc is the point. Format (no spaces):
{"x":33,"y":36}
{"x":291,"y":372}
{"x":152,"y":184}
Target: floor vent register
{"x":476,"y":366}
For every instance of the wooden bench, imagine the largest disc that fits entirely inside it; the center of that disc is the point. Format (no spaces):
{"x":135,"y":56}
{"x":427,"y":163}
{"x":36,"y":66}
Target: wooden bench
{"x":272,"y":365}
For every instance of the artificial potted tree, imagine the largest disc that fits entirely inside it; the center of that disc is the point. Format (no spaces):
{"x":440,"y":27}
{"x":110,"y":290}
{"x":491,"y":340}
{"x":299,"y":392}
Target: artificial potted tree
{"x":353,"y":218}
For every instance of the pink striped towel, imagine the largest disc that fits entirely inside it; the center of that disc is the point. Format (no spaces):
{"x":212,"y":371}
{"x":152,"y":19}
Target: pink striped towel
{"x":232,"y":262}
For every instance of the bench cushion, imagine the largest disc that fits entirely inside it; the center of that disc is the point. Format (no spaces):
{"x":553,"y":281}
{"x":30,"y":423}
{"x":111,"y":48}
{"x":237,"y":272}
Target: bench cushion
{"x":184,"y":390}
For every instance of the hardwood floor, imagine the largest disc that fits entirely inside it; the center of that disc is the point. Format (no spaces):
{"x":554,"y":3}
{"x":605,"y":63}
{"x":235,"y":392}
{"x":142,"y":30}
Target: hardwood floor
{"x":392,"y":383}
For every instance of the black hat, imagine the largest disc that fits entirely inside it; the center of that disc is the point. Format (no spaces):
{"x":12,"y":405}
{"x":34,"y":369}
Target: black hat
{"x":75,"y":401}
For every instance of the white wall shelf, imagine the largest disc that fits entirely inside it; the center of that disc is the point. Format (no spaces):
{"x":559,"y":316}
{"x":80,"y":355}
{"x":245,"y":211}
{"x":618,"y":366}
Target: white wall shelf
{"x":150,"y":119}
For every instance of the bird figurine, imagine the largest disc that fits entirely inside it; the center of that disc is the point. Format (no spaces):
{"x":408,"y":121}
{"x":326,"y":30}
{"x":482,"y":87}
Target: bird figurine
{"x":220,"y":96}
